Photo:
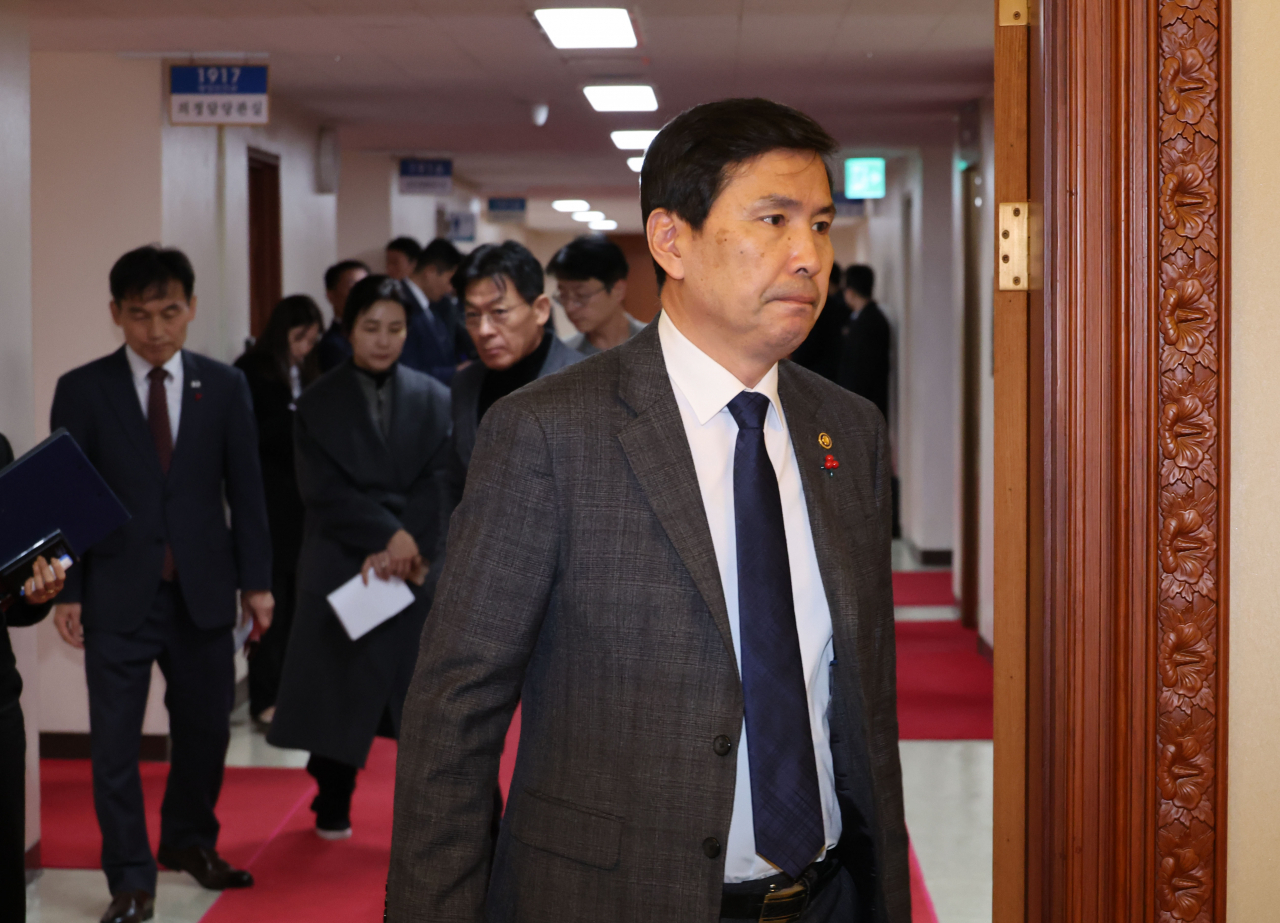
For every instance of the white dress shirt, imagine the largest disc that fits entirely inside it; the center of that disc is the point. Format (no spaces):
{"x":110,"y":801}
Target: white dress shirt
{"x":703,"y":389}
{"x":141,"y":368}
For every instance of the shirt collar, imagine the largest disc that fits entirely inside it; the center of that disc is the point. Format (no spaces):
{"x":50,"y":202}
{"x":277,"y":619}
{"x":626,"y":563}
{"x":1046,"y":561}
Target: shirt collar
{"x":706,"y":384}
{"x":141,"y":368}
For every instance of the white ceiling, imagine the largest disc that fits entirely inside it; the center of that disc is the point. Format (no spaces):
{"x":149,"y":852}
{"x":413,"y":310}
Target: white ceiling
{"x":461,"y":76}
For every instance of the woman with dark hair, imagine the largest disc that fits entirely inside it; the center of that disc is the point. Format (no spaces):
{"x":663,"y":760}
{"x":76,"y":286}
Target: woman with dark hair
{"x":279,"y":366}
{"x":374,"y":467}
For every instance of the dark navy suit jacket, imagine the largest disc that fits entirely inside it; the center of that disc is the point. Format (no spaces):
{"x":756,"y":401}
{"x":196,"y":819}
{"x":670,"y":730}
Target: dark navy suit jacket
{"x":215,"y":457}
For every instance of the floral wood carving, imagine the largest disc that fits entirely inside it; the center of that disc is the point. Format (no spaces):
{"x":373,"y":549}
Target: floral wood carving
{"x":1188,"y":197}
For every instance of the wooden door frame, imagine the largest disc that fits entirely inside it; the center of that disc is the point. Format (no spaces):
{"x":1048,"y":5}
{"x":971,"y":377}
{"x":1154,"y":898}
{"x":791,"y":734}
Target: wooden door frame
{"x":1112,"y":468}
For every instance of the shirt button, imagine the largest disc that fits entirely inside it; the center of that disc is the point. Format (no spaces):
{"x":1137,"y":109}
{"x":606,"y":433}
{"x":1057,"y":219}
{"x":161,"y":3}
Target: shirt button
{"x":711,"y":847}
{"x":722,"y":745}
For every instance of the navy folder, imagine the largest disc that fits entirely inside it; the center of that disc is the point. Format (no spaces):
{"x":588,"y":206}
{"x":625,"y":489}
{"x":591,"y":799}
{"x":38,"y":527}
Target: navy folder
{"x":53,"y":499}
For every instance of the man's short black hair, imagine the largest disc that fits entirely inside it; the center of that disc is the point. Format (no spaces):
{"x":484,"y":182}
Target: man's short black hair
{"x":860,"y":278}
{"x":499,"y":262}
{"x":368,"y":292}
{"x":591,"y":256}
{"x":688,"y":163}
{"x":333,"y":275}
{"x":440,"y":254}
{"x":833,"y":286}
{"x":148,"y":271}
{"x":408,"y":246}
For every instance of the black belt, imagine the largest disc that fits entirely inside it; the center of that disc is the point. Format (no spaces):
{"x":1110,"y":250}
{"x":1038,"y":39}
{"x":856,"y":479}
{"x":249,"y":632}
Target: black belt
{"x":778,"y":902}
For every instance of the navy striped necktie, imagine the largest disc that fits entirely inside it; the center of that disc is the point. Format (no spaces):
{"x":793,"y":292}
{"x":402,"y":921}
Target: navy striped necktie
{"x":785,"y":803}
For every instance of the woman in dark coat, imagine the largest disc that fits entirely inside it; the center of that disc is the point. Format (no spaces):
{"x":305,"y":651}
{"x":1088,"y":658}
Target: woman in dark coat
{"x":373,"y":459}
{"x":278,"y":366}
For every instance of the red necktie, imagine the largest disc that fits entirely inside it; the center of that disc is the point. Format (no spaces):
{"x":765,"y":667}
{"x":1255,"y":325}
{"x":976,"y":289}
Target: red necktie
{"x":162,"y":436}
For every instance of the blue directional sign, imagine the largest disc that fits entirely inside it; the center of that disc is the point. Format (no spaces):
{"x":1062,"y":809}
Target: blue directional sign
{"x":218,"y":95}
{"x":420,"y":176}
{"x":507,"y":209}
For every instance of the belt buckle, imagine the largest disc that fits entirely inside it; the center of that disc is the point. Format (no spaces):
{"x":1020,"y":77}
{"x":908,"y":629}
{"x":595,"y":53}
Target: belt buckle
{"x":785,"y":905}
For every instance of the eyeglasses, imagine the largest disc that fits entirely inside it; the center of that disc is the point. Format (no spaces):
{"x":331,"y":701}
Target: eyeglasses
{"x":499,"y":317}
{"x":576,"y":301}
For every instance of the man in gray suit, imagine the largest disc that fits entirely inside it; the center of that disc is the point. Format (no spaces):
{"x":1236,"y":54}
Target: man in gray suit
{"x":506,"y":311}
{"x":676,"y":556}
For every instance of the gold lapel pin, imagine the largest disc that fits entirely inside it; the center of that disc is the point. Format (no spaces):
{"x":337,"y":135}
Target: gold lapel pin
{"x":824,"y":440}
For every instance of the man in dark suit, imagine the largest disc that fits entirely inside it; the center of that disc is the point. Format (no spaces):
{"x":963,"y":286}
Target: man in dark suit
{"x":820,"y":351}
{"x":333,"y":348}
{"x":864,"y":358}
{"x":173,"y":433}
{"x":505,"y":309}
{"x":676,"y":556}
{"x":436,"y":342}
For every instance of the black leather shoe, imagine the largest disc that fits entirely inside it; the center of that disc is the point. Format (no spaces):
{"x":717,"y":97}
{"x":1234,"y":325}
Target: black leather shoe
{"x":205,"y":866}
{"x":130,"y":907}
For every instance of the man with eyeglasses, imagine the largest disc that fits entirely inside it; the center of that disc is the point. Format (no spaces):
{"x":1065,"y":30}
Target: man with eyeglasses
{"x":505,"y":310}
{"x":591,"y":286}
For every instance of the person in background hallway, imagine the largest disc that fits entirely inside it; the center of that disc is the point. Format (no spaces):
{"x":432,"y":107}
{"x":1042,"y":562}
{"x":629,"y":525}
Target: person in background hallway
{"x":506,"y":312}
{"x":820,"y":351}
{"x":591,"y":286}
{"x":334,"y":349}
{"x":654,"y":556}
{"x":864,"y":356}
{"x":437,"y":342}
{"x":402,"y":256}
{"x":278,"y":367}
{"x":42,"y":587}
{"x":375,"y":471}
{"x":173,"y":434}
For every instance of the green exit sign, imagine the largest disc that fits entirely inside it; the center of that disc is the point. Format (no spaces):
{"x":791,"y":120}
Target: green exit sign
{"x":864,"y":178}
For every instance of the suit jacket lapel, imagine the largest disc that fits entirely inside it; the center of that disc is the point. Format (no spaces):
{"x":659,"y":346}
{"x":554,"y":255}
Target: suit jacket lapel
{"x":123,"y":397}
{"x":658,"y":452}
{"x":803,"y":406}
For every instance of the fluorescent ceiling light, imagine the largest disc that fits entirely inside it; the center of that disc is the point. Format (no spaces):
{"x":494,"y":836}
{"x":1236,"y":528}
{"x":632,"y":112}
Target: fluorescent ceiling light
{"x":608,"y":224}
{"x":570,"y":205}
{"x":636,"y":163}
{"x":621,"y":99}
{"x":633,"y":140}
{"x":587,"y":28}
{"x":588,"y":216}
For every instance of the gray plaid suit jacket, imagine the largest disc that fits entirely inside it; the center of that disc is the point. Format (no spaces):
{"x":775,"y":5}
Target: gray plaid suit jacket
{"x":581,"y":580}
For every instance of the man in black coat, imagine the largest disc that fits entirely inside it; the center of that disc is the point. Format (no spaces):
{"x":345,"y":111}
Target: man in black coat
{"x":173,"y":433}
{"x":506,"y":312}
{"x":436,"y":343}
{"x":333,"y":348}
{"x":864,"y":361}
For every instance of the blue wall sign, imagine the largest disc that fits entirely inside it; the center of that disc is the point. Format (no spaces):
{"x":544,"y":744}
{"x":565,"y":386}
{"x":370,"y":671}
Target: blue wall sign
{"x":419,"y":176}
{"x":507,"y":209}
{"x":221,"y":95}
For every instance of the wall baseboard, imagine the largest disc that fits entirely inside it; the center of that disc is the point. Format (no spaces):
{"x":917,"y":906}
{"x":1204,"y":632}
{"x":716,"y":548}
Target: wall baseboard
{"x":32,"y":862}
{"x":61,"y":745}
{"x":935,"y":557}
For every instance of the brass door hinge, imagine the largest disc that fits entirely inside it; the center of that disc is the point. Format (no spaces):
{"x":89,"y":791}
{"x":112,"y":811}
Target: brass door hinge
{"x":1015,"y":12}
{"x":1013,"y":248}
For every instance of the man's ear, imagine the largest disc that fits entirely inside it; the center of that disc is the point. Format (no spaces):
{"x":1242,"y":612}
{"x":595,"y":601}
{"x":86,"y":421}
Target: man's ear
{"x":664,"y":230}
{"x":191,"y":306}
{"x":542,"y":309}
{"x":116,"y":314}
{"x":619,"y":290}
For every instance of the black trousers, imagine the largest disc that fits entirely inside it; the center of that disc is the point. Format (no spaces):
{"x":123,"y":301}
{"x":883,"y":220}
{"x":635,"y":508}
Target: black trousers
{"x":266,"y":663}
{"x":337,"y":782}
{"x":13,"y":780}
{"x":200,"y":677}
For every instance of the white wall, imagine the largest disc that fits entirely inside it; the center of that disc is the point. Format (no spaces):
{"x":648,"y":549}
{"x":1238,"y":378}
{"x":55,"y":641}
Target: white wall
{"x":17,"y":419}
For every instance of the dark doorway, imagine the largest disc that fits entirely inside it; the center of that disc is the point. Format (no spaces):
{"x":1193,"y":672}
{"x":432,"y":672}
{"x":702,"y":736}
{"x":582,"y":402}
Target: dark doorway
{"x":642,"y":283}
{"x":970,"y":461}
{"x":265,"y":285}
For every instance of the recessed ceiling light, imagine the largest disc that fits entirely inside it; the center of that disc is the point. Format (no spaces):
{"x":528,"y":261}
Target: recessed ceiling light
{"x":633,"y":140}
{"x":588,"y":216}
{"x":621,"y":99}
{"x":587,"y":28}
{"x":571,"y":205}
{"x":608,"y":224}
{"x":636,"y":163}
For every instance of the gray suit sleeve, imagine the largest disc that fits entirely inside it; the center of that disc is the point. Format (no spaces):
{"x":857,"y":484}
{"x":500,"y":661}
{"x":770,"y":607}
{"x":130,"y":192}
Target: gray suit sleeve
{"x":479,"y":637}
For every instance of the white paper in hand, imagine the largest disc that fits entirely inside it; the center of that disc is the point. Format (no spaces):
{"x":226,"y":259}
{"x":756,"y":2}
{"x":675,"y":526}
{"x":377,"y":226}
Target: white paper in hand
{"x":363,"y":608}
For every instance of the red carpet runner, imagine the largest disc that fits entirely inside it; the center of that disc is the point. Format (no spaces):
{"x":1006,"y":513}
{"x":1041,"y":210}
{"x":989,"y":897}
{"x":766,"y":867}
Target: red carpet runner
{"x":923,"y":588}
{"x":944,"y":684}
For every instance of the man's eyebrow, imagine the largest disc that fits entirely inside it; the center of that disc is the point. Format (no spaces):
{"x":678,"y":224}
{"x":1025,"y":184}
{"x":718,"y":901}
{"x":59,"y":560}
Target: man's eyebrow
{"x":786,"y":202}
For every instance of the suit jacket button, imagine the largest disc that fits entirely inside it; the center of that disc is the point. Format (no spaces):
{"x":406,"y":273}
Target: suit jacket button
{"x":722,"y":745}
{"x":711,"y":847}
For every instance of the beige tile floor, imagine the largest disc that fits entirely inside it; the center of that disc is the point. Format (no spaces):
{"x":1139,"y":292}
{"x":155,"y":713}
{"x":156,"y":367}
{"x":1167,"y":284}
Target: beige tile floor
{"x":947,"y":789}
